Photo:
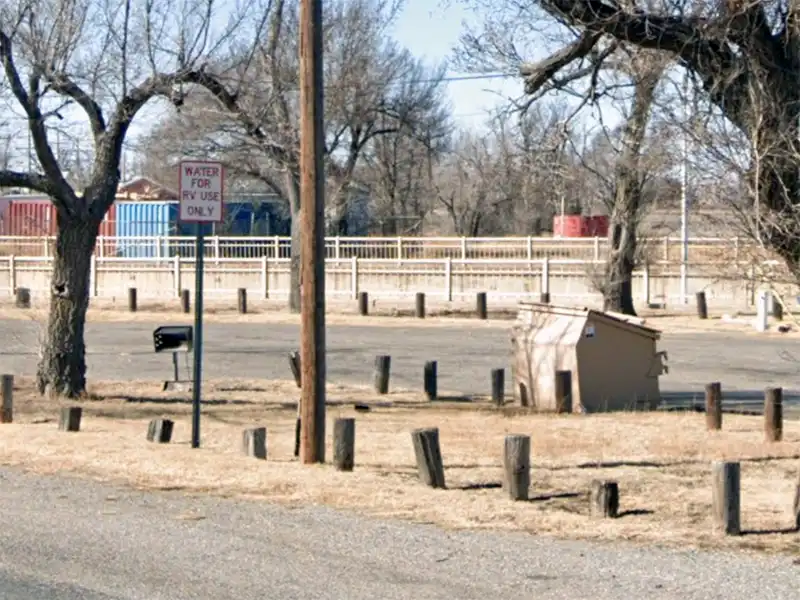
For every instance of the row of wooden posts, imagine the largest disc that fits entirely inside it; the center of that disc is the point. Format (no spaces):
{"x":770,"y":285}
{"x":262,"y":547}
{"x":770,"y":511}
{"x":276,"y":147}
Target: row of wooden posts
{"x":604,"y":495}
{"x":701,"y":304}
{"x":773,"y":410}
{"x":23,"y":300}
{"x":430,"y":376}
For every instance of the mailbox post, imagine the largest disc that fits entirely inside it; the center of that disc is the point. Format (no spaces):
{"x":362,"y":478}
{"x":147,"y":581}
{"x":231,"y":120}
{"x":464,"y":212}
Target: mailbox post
{"x":176,"y":339}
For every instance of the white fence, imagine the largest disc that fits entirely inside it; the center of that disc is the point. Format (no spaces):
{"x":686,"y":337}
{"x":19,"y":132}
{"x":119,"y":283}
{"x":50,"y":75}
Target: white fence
{"x":397,"y":248}
{"x":566,"y":280}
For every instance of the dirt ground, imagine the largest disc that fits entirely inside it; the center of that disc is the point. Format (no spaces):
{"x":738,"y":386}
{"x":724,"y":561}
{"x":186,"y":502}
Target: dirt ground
{"x":662,"y":461}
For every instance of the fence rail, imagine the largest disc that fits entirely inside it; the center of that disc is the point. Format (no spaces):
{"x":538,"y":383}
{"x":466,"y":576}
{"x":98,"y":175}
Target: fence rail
{"x":448,"y":279}
{"x":395,"y":248}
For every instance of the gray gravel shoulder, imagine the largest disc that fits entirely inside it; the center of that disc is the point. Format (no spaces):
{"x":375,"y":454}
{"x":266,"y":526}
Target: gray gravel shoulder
{"x":69,"y":538}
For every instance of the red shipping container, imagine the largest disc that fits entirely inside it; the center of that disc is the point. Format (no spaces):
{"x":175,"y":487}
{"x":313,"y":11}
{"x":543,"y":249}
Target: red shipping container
{"x":567,"y":226}
{"x":108,"y":231}
{"x":37,"y":218}
{"x":597,"y":226}
{"x":575,"y":226}
{"x":30,"y":218}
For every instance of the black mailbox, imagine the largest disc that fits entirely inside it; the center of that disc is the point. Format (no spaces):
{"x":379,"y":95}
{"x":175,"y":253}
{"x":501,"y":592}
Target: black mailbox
{"x":173,"y":338}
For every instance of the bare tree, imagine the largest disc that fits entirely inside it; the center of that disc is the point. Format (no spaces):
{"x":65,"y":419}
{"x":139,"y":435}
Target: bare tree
{"x":743,"y":58}
{"x":373,"y":88}
{"x":107,"y":59}
{"x":593,"y":67}
{"x":398,"y":170}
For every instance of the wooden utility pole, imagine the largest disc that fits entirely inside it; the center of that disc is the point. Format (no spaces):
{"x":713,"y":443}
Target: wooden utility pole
{"x":312,"y":247}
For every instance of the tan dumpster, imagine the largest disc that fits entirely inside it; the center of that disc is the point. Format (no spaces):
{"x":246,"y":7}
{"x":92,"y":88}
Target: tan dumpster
{"x":613,"y":359}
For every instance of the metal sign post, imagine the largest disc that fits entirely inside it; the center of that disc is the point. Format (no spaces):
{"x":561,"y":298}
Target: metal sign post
{"x":201,"y":184}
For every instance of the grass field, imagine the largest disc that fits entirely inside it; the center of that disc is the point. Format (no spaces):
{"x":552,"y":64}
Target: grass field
{"x":661,"y":461}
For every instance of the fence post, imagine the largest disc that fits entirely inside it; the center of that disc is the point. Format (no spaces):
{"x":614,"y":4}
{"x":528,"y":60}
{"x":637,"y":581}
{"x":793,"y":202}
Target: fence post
{"x":714,"y":406}
{"x":545,"y":285}
{"x":517,"y":466}
{"x":176,"y":274}
{"x":448,"y":279}
{"x":12,"y":274}
{"x":399,"y":248}
{"x":463,"y":248}
{"x":725,"y":486}
{"x":596,"y":248}
{"x":7,"y":413}
{"x":265,"y":276}
{"x":430,"y":384}
{"x":216,"y":248}
{"x":354,"y":277}
{"x":344,"y":443}
{"x":666,"y":248}
{"x":530,"y":247}
{"x":93,"y":275}
{"x":646,"y":284}
{"x":773,"y":414}
{"x":276,"y":246}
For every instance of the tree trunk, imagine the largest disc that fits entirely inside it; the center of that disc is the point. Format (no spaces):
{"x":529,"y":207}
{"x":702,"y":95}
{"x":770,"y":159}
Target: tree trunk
{"x":626,"y":210}
{"x":62,"y":362}
{"x":293,"y":193}
{"x":618,"y":276}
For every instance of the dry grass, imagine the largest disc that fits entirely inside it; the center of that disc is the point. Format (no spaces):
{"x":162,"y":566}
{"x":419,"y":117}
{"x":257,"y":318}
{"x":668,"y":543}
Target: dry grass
{"x":662,"y":461}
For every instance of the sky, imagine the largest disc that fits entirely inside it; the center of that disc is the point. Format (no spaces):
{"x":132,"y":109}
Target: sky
{"x":430,"y":29}
{"x":431,"y":32}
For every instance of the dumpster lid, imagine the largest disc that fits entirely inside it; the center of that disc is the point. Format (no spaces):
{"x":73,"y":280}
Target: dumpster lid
{"x":614,"y":319}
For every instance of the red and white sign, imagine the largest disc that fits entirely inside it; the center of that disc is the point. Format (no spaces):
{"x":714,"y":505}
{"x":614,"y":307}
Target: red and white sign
{"x":201,"y":191}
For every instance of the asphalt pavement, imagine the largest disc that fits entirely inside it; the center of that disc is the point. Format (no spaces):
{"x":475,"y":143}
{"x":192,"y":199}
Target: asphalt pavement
{"x":72,"y":539}
{"x":745,"y":364}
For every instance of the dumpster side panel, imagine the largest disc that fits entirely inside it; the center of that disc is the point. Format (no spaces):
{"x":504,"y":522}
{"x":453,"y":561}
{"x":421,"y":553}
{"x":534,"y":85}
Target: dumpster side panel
{"x":616,"y":367}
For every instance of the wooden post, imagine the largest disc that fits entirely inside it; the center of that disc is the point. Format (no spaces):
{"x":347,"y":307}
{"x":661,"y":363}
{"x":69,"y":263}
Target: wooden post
{"x":544,"y":298}
{"x":363,"y":304}
{"x":7,"y":413}
{"x":70,"y":418}
{"x":773,"y":414}
{"x":604,"y":499}
{"x":725,"y":482}
{"x":160,"y":431}
{"x":430,"y":382}
{"x":312,"y":230}
{"x":714,"y":406}
{"x":517,"y":466}
{"x":241,"y":300}
{"x":254,"y":442}
{"x":297,"y":427}
{"x":429,"y":457}
{"x":133,"y":305}
{"x":564,"y":392}
{"x":186,"y":303}
{"x":480,"y":306}
{"x":419,"y":305}
{"x":344,"y":444}
{"x":498,"y":386}
{"x":294,"y":365}
{"x":381,"y":376}
{"x":23,"y":298}
{"x":702,"y":306}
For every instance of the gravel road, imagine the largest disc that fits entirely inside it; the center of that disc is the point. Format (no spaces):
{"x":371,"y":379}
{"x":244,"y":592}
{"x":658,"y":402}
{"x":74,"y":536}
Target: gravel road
{"x":744,"y":364}
{"x":67,"y":539}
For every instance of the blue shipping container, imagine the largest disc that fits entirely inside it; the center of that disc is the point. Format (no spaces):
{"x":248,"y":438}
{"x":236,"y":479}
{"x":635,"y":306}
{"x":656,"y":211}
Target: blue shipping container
{"x":153,"y":220}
